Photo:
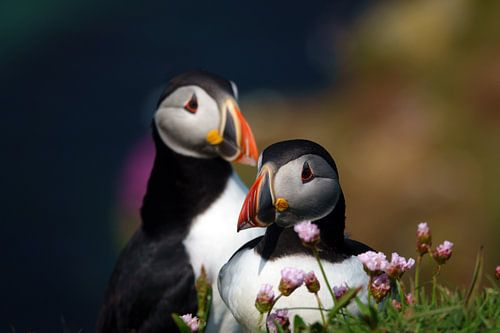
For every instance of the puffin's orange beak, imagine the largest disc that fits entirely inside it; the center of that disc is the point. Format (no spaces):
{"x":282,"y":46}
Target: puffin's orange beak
{"x":258,"y":209}
{"x":236,"y":142}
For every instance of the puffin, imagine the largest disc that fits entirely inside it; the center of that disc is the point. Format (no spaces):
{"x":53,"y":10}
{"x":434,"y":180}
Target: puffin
{"x":297,"y":181}
{"x":189,"y":210}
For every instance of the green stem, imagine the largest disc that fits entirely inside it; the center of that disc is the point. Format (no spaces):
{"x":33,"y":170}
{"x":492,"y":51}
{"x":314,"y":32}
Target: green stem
{"x":369,"y":290}
{"x":417,"y":276}
{"x":434,"y":283}
{"x":401,"y":291}
{"x":316,"y":254}
{"x":321,"y":312}
{"x":272,"y":306}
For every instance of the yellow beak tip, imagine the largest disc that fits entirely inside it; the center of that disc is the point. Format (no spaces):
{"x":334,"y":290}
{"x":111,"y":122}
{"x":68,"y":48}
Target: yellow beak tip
{"x":281,"y":204}
{"x":214,"y":138}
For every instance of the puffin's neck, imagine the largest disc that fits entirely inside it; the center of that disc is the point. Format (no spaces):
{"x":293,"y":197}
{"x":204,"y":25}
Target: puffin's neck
{"x":279,"y":241}
{"x":179,"y":188}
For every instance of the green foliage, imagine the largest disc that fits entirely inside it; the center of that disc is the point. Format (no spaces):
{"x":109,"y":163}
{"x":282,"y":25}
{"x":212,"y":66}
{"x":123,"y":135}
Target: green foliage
{"x":449,"y":314}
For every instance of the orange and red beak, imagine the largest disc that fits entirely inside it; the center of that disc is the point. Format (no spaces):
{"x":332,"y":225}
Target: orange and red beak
{"x":258,"y":209}
{"x":237,"y":142}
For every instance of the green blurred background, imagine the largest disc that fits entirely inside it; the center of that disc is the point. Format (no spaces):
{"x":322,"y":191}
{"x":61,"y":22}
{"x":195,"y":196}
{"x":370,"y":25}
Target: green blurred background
{"x":404,"y":94}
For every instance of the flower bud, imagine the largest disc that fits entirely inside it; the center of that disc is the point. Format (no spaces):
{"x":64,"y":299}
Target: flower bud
{"x":409,"y":299}
{"x":497,"y":272}
{"x":265,"y":298}
{"x":380,"y":287}
{"x":308,"y":233}
{"x":192,"y":322}
{"x":424,"y":238}
{"x":280,"y":317}
{"x":291,"y":279}
{"x":396,"y":304}
{"x":442,"y":252}
{"x":340,"y":291}
{"x":311,"y":282}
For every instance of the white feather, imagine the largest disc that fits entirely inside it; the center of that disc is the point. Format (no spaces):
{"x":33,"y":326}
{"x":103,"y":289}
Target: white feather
{"x":241,"y":278}
{"x":213,"y":239}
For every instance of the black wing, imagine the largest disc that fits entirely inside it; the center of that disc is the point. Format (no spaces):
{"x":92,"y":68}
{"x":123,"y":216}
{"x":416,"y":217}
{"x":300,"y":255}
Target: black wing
{"x":151,"y":280}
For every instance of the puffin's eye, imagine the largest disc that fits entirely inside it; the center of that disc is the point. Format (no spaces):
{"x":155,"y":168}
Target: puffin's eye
{"x":192,"y":104}
{"x":307,"y":174}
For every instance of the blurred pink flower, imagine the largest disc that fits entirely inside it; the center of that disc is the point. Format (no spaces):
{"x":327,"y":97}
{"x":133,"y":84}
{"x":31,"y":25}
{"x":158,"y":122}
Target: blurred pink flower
{"x":192,"y":322}
{"x":308,"y":232}
{"x":280,"y":317}
{"x":443,"y":252}
{"x":497,"y":272}
{"x":311,"y":282}
{"x":398,"y":265}
{"x":340,"y":291}
{"x":373,"y":262}
{"x":409,"y":298}
{"x":380,"y":287}
{"x":291,"y":279}
{"x":424,"y":238}
{"x":265,"y":298}
{"x":396,"y":304}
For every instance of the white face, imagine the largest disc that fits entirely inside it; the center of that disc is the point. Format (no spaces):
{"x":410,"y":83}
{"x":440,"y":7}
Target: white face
{"x":311,"y":187}
{"x":185,"y":118}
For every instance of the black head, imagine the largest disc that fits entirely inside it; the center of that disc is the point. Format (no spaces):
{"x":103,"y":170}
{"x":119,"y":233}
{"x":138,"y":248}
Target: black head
{"x":297,"y":181}
{"x":198,"y":116}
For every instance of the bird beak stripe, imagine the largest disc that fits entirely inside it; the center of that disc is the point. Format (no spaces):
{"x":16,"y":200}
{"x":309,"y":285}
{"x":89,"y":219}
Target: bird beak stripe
{"x":239,"y":143}
{"x":249,"y":211}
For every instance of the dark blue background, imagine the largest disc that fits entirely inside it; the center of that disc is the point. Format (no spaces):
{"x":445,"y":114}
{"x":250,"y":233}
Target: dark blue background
{"x":77,"y":85}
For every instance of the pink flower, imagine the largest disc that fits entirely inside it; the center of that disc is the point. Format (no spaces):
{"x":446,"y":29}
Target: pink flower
{"x":443,"y":252}
{"x":398,"y":265}
{"x":423,"y":230}
{"x":265,"y":298}
{"x":192,"y":322}
{"x":397,"y":305}
{"x":340,"y":291}
{"x":424,"y":239}
{"x":380,"y":287}
{"x":311,"y":282}
{"x":308,"y":232}
{"x":280,"y":317}
{"x":497,"y":272}
{"x":291,"y":279}
{"x":373,"y":262}
{"x":409,"y":298}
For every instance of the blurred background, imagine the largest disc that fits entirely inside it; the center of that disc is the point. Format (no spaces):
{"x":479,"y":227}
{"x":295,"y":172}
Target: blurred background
{"x":405,"y":95}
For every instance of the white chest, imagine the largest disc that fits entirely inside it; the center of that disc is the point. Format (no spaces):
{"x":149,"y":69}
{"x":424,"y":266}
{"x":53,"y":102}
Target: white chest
{"x":213,"y":239}
{"x":240,"y":280}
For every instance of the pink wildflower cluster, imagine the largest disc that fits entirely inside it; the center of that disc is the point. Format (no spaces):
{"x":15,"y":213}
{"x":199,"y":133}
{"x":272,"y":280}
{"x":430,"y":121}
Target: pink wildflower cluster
{"x":497,"y":272}
{"x":281,"y":318}
{"x":265,"y":298}
{"x":373,"y":262}
{"x":308,"y":233}
{"x":291,"y":279}
{"x":398,"y":265}
{"x":442,"y":252}
{"x":192,"y":322}
{"x":382,"y":271}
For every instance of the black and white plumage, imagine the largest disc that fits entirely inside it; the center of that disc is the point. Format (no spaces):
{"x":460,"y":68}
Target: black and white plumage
{"x":189,"y":211}
{"x":297,"y":181}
